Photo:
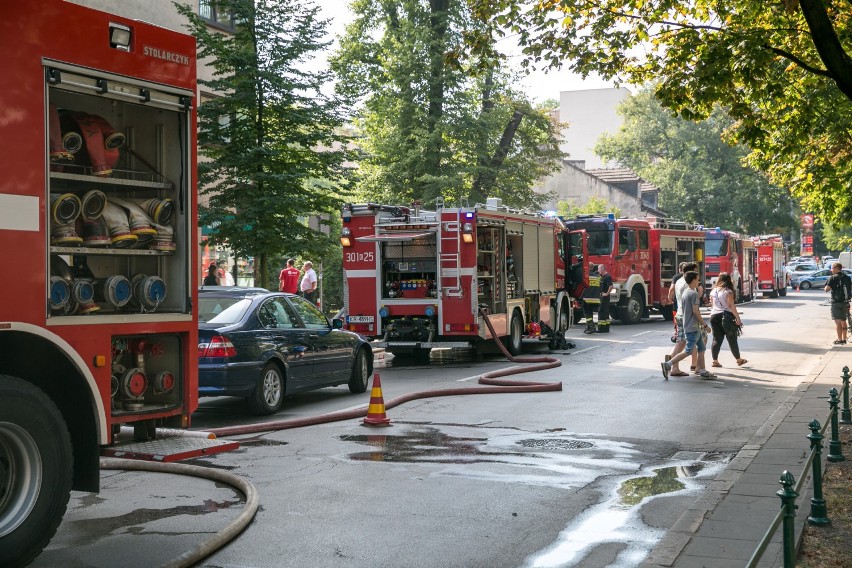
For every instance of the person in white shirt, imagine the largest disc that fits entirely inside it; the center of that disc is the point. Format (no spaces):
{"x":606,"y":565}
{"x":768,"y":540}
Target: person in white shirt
{"x":226,"y":278}
{"x":308,"y":286}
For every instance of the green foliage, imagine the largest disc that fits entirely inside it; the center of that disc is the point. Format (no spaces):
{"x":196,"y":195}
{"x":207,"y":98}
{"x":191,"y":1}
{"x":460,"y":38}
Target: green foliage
{"x":701,"y":177}
{"x":434,"y":121}
{"x":271,"y":152}
{"x":594,"y":206}
{"x":779,"y":69}
{"x":836,"y":239}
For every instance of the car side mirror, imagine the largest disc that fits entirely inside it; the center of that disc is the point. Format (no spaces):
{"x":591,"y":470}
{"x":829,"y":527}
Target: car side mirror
{"x":337,"y":323}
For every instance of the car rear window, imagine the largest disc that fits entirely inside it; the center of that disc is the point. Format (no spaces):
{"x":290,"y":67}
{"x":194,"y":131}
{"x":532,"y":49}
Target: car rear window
{"x":222,"y":310}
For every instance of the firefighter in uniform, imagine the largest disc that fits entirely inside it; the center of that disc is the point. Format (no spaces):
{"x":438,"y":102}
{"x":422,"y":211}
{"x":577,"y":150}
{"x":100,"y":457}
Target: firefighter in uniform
{"x":591,"y":299}
{"x":606,"y":288}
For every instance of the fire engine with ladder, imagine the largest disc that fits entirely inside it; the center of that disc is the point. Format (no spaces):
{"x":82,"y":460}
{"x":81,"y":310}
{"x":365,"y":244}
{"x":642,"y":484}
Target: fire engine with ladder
{"x":771,"y":258}
{"x":641,"y":255}
{"x":733,"y":253}
{"x":415,"y":279}
{"x":98,"y":331}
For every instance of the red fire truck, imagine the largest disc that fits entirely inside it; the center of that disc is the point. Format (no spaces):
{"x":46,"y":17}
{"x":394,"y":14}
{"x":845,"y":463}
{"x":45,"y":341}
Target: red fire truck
{"x":98,"y":223}
{"x":732,"y":253}
{"x":769,"y":269}
{"x":418,"y":279}
{"x":642,"y":257}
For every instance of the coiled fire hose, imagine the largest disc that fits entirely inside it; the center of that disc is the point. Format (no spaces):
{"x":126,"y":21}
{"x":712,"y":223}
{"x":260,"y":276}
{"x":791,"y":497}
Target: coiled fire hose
{"x":221,"y":538}
{"x":496,"y":386}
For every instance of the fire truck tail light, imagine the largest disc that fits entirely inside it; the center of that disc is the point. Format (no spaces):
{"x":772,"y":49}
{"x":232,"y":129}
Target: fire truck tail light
{"x":384,"y":312}
{"x":469,"y":327}
{"x":219,"y":346}
{"x":346,"y":237}
{"x":430,"y":311}
{"x":467,"y":233}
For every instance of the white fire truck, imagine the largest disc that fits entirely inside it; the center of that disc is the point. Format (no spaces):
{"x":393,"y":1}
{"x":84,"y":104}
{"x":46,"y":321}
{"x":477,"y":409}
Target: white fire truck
{"x":98,"y":333}
{"x":641,"y":255}
{"x":418,"y":279}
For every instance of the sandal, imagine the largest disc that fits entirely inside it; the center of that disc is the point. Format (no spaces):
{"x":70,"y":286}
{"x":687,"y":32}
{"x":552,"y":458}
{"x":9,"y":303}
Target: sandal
{"x":740,"y":362}
{"x":705,"y":374}
{"x":838,"y":342}
{"x":718,"y":364}
{"x":692,"y":368}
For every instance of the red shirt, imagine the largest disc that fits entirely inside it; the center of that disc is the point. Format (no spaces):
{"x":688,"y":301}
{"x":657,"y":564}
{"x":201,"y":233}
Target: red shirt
{"x":289,"y":280}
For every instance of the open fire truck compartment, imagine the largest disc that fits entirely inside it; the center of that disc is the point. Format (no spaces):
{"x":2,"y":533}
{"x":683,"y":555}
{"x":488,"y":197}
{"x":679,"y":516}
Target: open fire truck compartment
{"x":417,"y":279}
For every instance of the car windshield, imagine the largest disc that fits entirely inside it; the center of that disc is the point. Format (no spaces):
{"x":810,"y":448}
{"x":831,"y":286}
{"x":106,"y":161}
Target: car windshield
{"x":222,"y":310}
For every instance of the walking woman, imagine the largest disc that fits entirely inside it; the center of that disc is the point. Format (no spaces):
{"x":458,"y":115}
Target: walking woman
{"x":724,"y":318}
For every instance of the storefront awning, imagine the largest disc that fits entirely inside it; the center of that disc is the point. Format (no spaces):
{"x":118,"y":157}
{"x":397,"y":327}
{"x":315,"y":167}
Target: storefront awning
{"x":385,"y":237}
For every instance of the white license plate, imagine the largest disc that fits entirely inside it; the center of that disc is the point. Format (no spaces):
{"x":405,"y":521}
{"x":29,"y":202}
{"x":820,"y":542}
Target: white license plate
{"x":361,"y":319}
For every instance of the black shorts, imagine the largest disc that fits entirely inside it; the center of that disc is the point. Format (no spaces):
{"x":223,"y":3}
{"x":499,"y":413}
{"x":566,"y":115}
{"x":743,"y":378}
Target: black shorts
{"x":839,"y":310}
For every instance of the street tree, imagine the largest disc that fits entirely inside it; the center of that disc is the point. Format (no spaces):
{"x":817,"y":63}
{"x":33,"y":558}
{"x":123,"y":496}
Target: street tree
{"x":701,"y":178}
{"x":434,"y":122}
{"x":593,"y":206}
{"x":270,"y":142}
{"x":782,"y":70}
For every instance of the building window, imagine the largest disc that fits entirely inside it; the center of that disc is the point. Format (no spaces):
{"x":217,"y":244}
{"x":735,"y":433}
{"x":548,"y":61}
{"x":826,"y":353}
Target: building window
{"x":208,"y":10}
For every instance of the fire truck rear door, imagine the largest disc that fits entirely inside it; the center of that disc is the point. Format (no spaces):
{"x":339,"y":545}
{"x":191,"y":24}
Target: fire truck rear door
{"x":576,"y":261}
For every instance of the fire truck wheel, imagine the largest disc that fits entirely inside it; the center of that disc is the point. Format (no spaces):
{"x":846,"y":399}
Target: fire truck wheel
{"x":783,"y":291}
{"x":633,"y":309}
{"x":360,"y":373}
{"x":516,"y":330}
{"x":667,"y":313}
{"x":269,"y":392}
{"x":36,"y":465}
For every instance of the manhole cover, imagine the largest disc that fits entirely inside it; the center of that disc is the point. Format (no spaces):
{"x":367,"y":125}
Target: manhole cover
{"x":556,"y":444}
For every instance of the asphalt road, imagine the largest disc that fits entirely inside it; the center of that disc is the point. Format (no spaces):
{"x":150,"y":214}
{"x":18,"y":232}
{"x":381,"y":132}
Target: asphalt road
{"x":590,"y":476}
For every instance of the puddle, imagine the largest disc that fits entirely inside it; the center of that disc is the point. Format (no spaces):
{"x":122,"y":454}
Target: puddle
{"x":665,"y":480}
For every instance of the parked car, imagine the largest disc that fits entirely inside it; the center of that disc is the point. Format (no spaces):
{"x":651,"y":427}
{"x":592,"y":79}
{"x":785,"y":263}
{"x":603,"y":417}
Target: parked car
{"x":828,"y":261}
{"x":263,"y":346}
{"x":814,"y":279}
{"x":801,"y":268}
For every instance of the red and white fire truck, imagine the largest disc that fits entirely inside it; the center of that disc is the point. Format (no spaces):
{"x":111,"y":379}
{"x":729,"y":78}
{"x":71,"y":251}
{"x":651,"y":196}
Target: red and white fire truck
{"x":416,"y":279}
{"x":641,"y":255}
{"x":732,"y":253}
{"x":98,"y":332}
{"x":769,"y":269}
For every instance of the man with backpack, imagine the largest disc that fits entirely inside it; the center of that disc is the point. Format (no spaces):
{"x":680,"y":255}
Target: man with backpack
{"x":840,"y":286}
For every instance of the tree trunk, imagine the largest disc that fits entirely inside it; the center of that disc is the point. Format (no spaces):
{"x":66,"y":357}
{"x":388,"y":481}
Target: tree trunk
{"x":484,"y":182}
{"x":837,"y":62}
{"x":438,"y":37}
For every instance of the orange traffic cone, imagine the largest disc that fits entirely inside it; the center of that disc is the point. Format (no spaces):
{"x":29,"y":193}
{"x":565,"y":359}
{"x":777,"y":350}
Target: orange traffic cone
{"x":376,"y":412}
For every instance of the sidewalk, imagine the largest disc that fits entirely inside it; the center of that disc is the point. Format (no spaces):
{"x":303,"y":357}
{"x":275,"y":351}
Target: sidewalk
{"x":724,"y":526}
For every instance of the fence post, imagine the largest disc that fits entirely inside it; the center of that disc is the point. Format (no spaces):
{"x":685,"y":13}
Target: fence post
{"x":846,"y":415}
{"x":835,"y":451}
{"x":819,"y":512}
{"x":788,"y":503}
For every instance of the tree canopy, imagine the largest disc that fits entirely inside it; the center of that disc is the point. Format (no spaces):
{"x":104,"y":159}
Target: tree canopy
{"x":781,"y":70}
{"x":269,"y":137}
{"x":701,"y":178}
{"x":434,"y":120}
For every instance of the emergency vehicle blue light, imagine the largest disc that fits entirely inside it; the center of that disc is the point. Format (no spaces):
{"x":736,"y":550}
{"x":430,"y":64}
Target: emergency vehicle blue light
{"x":718,"y":229}
{"x":384,"y":312}
{"x":468,"y":215}
{"x":430,"y":311}
{"x":610,"y":216}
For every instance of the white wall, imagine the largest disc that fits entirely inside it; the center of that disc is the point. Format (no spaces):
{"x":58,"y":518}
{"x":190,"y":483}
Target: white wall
{"x":589,"y":113}
{"x":571,"y":183}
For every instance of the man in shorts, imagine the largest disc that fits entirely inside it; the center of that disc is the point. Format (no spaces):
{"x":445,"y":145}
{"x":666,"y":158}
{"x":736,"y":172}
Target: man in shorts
{"x":694,"y":327}
{"x":677,"y":291}
{"x":840,"y":286}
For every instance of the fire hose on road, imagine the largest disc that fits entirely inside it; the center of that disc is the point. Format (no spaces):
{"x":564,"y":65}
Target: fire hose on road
{"x":230,"y":532}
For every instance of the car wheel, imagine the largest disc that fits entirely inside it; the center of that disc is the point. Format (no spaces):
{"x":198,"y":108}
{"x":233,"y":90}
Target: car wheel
{"x":360,"y":373}
{"x":514,"y":342}
{"x":269,"y":392}
{"x":36,"y":464}
{"x":805,"y":285}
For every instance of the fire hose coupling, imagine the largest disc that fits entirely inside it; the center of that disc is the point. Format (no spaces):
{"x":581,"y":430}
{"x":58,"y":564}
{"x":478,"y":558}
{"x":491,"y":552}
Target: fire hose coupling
{"x":160,"y":211}
{"x":83,"y":294}
{"x":93,"y":204}
{"x":118,"y":226}
{"x":134,"y":383}
{"x":59,"y":293}
{"x":164,"y":382}
{"x":100,"y":140}
{"x":148,"y":291}
{"x":65,"y":208}
{"x":63,"y":145}
{"x":115,"y":291}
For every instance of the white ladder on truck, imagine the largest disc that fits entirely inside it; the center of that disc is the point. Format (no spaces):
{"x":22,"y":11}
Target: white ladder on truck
{"x":449,"y":258}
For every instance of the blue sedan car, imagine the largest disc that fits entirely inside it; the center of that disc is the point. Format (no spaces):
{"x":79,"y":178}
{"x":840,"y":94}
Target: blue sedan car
{"x":264,"y":346}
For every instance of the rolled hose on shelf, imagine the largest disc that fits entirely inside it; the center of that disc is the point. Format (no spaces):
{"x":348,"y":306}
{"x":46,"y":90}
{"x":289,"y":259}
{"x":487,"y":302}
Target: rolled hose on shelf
{"x":221,"y":538}
{"x":496,"y":386}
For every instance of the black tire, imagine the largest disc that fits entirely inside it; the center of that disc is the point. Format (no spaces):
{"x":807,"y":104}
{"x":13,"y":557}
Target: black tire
{"x":773,"y":294}
{"x":268,"y":395}
{"x":36,"y":465}
{"x":565,"y":318}
{"x":514,"y":342}
{"x":360,"y":373}
{"x":782,"y":291}
{"x":805,"y":285}
{"x":667,"y":312}
{"x":632,"y":311}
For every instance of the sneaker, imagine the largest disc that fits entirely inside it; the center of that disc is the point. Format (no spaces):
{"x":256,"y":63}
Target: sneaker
{"x":838,"y":342}
{"x":666,"y":367}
